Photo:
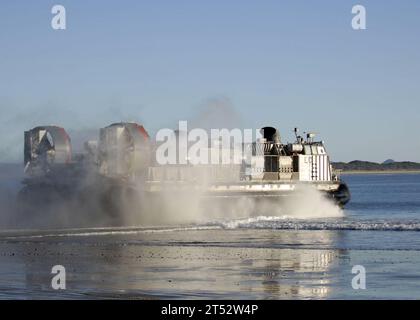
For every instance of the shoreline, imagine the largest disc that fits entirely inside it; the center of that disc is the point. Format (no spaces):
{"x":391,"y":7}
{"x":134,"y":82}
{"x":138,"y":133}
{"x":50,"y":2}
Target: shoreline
{"x":380,"y":172}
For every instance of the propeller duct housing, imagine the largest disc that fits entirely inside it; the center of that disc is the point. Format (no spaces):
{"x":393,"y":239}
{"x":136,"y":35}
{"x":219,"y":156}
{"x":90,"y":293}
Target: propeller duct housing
{"x":46,"y":147}
{"x":124,"y":150}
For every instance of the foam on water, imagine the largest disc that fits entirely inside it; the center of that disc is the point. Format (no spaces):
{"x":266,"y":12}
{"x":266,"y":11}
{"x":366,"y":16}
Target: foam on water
{"x":260,"y":222}
{"x":285,"y":223}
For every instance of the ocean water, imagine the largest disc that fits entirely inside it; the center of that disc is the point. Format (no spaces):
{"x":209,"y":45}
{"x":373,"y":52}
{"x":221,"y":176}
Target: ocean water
{"x":259,"y":257}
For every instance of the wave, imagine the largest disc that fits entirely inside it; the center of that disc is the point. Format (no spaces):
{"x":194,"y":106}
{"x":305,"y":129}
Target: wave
{"x":260,"y":222}
{"x":88,"y":232}
{"x":285,"y":223}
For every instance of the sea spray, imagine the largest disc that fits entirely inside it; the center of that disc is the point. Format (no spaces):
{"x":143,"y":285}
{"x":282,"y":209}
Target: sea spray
{"x":309,"y":203}
{"x":191,"y":204}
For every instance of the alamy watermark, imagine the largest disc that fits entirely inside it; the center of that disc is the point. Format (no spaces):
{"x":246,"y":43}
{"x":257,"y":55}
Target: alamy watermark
{"x":359,"y":20}
{"x":58,"y":282}
{"x":199,"y":146}
{"x":359,"y":280}
{"x":58,"y":21}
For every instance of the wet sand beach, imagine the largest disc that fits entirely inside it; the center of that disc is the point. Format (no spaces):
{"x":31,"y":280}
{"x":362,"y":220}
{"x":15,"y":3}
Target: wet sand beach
{"x":209,"y":264}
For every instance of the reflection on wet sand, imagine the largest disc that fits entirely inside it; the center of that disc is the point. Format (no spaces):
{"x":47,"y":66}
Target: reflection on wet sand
{"x":249,"y":264}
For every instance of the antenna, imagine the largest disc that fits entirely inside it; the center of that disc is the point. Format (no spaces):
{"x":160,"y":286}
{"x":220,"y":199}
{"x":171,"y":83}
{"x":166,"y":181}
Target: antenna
{"x":296,"y":130}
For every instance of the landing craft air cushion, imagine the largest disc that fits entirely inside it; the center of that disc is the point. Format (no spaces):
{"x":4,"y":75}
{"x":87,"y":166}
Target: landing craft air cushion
{"x":121,"y":162}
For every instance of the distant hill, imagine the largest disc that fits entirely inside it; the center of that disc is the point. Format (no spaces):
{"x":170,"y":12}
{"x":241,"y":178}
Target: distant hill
{"x":388,"y":161}
{"x":358,"y":165}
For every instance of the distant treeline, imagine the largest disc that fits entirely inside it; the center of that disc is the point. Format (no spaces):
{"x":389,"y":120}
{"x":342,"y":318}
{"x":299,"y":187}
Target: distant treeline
{"x":358,"y":165}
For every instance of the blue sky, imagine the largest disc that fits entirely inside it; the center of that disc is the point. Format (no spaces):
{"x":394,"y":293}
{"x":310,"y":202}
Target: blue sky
{"x":280,"y":63}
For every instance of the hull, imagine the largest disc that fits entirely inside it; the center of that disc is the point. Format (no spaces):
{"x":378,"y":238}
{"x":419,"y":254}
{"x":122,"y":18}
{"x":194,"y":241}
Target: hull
{"x":336,"y":191}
